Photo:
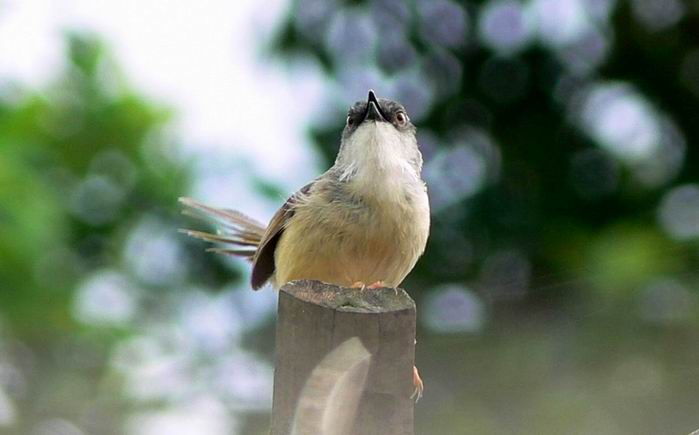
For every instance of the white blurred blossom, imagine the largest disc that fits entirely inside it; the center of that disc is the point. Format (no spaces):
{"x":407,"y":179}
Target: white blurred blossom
{"x":105,"y":297}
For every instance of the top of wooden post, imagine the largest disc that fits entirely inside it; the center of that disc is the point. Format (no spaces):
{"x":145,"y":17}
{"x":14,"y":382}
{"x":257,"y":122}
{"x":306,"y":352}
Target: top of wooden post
{"x":353,"y":300}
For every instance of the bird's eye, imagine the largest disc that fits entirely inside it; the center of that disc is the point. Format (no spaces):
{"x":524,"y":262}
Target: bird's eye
{"x":401,"y":119}
{"x":350,"y":121}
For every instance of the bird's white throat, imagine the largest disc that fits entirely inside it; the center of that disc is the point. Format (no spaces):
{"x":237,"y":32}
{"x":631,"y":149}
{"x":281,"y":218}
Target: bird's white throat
{"x":380,"y":161}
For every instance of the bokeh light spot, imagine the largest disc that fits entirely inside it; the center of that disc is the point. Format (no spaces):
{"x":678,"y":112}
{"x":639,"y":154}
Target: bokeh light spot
{"x":621,"y":120}
{"x":454,"y":308}
{"x":505,"y":275}
{"x":392,"y":17}
{"x":461,"y":171}
{"x":504,"y":26}
{"x":586,"y":53}
{"x":679,"y":212}
{"x":667,"y":161}
{"x":351,"y":37}
{"x":203,"y":415}
{"x":8,"y":412}
{"x":154,"y":367}
{"x":657,"y":15}
{"x":56,"y":427}
{"x":395,"y":53}
{"x":105,"y":298}
{"x":209,"y":320}
{"x":444,"y":71}
{"x":97,"y":200}
{"x":667,"y":301}
{"x":454,"y":175}
{"x":559,"y":22}
{"x":312,"y":17}
{"x":116,"y":166}
{"x":417,"y":98}
{"x":442,"y":22}
{"x":154,"y":255}
{"x":244,"y":380}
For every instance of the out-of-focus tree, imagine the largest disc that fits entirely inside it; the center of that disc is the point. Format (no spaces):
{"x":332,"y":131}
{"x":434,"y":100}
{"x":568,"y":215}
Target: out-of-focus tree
{"x":90,"y":256}
{"x":558,"y":138}
{"x":555,"y":132}
{"x":80,"y":161}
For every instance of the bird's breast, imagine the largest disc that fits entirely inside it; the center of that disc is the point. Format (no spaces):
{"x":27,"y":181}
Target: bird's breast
{"x":342,"y":236}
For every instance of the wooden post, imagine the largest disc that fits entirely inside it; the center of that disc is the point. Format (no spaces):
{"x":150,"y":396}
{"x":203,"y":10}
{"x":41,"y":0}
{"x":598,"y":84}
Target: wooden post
{"x":326,"y":381}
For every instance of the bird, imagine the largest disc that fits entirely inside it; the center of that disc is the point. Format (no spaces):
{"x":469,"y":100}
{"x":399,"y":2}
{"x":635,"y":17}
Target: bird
{"x":363,"y":223}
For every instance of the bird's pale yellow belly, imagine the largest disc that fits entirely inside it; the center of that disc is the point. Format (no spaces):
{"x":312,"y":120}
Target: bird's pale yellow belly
{"x":347,"y":245}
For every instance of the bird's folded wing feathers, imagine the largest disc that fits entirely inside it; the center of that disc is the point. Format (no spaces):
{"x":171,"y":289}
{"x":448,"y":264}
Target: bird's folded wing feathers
{"x":263,"y":261}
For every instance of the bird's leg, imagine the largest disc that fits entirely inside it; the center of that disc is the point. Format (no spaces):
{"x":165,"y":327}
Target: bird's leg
{"x":419,"y":386}
{"x":360,"y":285}
{"x":417,"y":381}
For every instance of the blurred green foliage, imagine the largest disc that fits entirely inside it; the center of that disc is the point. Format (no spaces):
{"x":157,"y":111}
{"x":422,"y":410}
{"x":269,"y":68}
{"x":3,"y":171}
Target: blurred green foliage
{"x":558,"y":293}
{"x":80,"y":162}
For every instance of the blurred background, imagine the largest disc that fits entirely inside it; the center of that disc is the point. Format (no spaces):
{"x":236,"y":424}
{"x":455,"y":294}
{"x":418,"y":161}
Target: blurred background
{"x":559,"y":290}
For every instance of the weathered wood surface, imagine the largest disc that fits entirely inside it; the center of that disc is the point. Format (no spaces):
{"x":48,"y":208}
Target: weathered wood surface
{"x":359,"y":387}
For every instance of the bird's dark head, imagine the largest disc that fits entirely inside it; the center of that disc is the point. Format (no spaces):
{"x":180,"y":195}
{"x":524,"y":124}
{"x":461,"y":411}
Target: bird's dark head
{"x":379,"y":132}
{"x":377,"y":110}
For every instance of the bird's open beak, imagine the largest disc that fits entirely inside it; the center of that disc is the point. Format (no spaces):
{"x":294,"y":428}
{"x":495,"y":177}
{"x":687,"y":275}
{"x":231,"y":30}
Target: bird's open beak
{"x":373,"y":111}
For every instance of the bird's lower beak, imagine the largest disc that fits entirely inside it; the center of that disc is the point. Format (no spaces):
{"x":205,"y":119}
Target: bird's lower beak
{"x":373,"y":112}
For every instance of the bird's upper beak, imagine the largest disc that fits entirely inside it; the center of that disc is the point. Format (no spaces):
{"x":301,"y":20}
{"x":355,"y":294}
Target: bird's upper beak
{"x":373,"y":111}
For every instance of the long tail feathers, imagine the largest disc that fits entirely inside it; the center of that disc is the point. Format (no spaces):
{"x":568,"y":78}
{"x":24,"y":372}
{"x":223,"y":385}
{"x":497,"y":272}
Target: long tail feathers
{"x":239,"y":234}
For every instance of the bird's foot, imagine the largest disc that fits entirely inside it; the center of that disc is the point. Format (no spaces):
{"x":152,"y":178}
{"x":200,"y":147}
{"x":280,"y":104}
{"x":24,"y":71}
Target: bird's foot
{"x":377,"y":284}
{"x":419,"y":386}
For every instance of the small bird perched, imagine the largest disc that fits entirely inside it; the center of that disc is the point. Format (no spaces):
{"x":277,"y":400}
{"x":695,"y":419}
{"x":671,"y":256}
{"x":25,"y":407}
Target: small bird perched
{"x":363,"y":223}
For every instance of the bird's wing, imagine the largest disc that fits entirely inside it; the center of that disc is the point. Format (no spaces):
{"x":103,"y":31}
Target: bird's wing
{"x":263,"y":261}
